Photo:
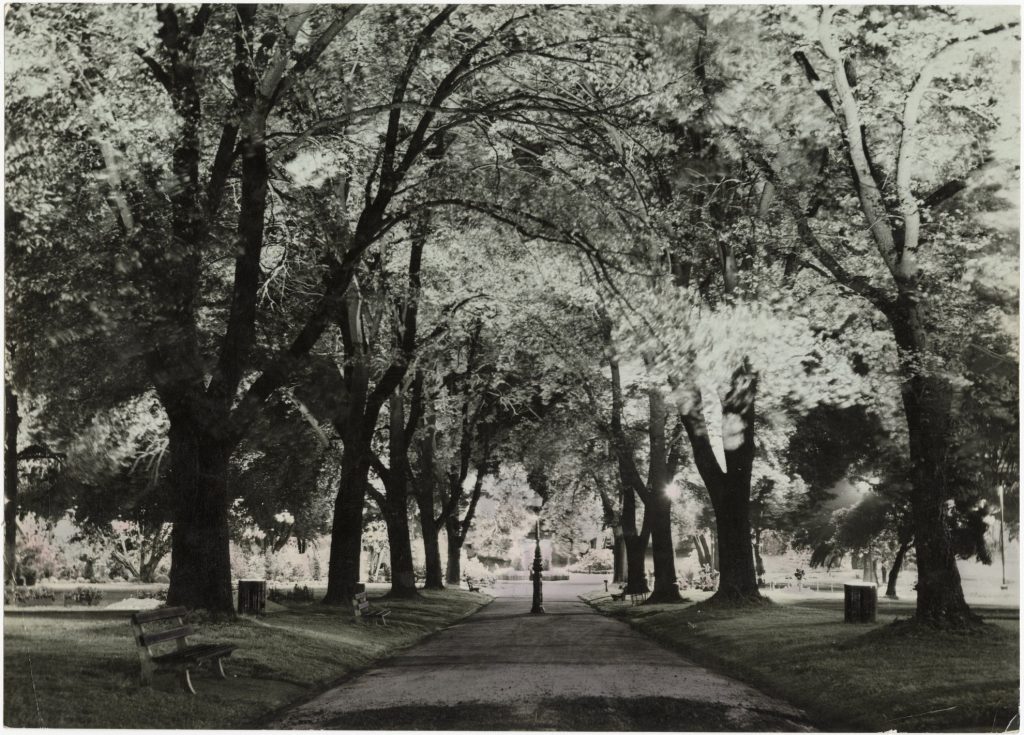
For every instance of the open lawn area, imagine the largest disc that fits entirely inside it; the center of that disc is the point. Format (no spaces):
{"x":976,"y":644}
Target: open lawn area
{"x":846,"y":676}
{"x":81,"y":669}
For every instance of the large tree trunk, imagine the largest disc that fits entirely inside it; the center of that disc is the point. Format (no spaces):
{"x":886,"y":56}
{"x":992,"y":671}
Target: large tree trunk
{"x":635,"y":544}
{"x":636,"y":575}
{"x":396,"y":518}
{"x":200,"y":541}
{"x":618,"y":556}
{"x":454,"y":572}
{"x":347,"y":531}
{"x":737,"y":579}
{"x":431,"y":546}
{"x":658,"y":510}
{"x":729,"y":489}
{"x":894,"y":573}
{"x":395,"y":503}
{"x":926,"y":403}
{"x":12,"y":420}
{"x":665,"y":582}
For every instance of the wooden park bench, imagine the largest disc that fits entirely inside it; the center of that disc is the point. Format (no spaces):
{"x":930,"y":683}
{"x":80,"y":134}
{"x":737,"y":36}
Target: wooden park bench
{"x":635,"y":598}
{"x":470,"y":585}
{"x":361,"y":608}
{"x":184,"y":657}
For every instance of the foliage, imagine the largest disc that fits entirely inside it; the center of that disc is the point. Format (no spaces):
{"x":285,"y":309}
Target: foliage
{"x":475,"y":570}
{"x":88,"y":596}
{"x":211,"y":217}
{"x":21,"y":595}
{"x":296,"y":594}
{"x":595,"y":561}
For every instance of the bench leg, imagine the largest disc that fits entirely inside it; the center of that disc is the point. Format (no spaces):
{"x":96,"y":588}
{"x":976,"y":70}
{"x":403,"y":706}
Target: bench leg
{"x":220,"y":669}
{"x":186,"y":681}
{"x":146,"y":675}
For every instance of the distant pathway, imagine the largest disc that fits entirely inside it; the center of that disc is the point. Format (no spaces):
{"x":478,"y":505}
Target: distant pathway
{"x":570,"y":669}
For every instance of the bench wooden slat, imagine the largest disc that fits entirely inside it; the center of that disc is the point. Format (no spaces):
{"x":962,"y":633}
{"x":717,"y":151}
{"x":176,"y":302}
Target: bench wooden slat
{"x":151,"y":616}
{"x":186,"y":656}
{"x":171,"y":634}
{"x":361,"y":608}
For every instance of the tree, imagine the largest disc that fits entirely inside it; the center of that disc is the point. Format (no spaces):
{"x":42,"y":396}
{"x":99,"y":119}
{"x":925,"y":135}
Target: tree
{"x":894,"y":213}
{"x":167,"y":217}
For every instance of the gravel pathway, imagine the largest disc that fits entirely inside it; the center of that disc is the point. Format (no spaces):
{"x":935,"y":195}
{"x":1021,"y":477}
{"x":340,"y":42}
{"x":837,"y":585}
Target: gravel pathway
{"x":570,"y":669}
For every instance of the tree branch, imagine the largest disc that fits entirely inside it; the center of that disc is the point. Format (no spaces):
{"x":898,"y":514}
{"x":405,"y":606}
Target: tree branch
{"x":908,"y":149}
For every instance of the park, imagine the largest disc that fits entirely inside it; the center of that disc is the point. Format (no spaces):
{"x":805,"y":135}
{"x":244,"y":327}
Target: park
{"x":512,"y":367}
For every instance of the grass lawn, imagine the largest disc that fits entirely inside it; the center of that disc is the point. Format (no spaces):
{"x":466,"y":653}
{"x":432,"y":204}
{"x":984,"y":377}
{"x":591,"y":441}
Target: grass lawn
{"x":81,"y":669}
{"x":846,"y":676}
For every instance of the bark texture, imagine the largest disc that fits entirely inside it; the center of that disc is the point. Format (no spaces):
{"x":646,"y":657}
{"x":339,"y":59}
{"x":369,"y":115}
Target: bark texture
{"x":12,"y":420}
{"x":201,"y":573}
{"x":729,"y":488}
{"x":894,"y":573}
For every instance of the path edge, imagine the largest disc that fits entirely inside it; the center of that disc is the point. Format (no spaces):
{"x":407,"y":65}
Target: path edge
{"x":261,"y":722}
{"x":708,"y":660}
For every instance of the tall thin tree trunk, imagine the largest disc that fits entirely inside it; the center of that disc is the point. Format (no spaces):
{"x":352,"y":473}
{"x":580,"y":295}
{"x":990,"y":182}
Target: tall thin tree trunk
{"x":396,"y":518}
{"x":868,"y":573}
{"x":636,"y":575}
{"x":665,"y":582}
{"x":658,"y":509}
{"x":758,"y":561}
{"x":431,"y":546}
{"x":618,"y":556}
{"x":200,"y":543}
{"x":703,"y":551}
{"x":12,"y":420}
{"x":454,"y":570}
{"x":395,"y":503}
{"x":635,"y":544}
{"x":425,"y":492}
{"x":347,"y":530}
{"x":894,"y":573}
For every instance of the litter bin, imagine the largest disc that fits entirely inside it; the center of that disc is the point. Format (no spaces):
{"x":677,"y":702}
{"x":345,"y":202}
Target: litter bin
{"x":860,"y":602}
{"x":252,"y":596}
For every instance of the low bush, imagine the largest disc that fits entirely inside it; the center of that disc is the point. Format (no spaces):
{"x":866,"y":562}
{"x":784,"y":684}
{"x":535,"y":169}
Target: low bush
{"x":297,"y":594}
{"x":22,"y":595}
{"x":84,"y":596}
{"x":595,"y":561}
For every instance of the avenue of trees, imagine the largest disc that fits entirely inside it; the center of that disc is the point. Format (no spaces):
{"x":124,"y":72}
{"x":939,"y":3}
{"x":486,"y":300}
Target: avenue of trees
{"x":312,"y":265}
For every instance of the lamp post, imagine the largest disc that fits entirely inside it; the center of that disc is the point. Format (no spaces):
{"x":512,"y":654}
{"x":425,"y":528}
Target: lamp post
{"x":538,"y":565}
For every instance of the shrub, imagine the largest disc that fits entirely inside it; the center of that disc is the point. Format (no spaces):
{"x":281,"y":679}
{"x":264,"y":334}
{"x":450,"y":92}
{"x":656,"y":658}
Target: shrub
{"x":595,"y":561}
{"x":25,"y":595}
{"x":707,"y":580}
{"x":297,"y":594}
{"x":162,"y":579}
{"x":85,"y":596}
{"x":476,"y":571}
{"x":38,"y":557}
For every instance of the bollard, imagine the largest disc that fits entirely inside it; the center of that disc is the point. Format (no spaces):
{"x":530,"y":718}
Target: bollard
{"x":252,"y":596}
{"x":859,"y":603}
